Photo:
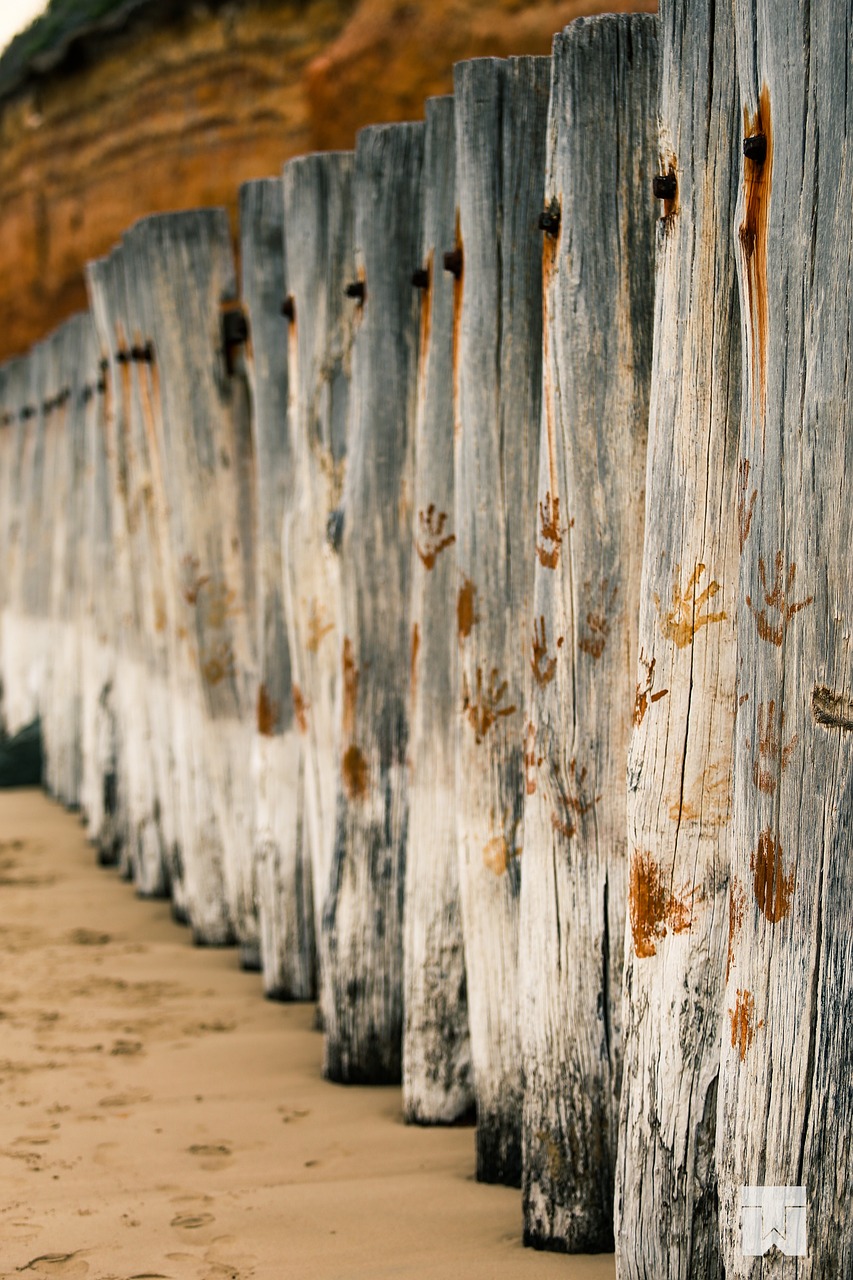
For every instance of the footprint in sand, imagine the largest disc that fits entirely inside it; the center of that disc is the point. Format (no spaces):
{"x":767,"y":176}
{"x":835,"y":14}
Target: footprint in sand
{"x":89,"y":938}
{"x":71,"y":1266}
{"x":212,"y":1155}
{"x":289,"y":1114}
{"x":120,"y":1101}
{"x":191,"y":1221}
{"x":127,"y":1048}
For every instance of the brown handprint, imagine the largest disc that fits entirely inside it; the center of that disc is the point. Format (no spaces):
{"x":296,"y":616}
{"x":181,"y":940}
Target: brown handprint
{"x":644,"y":697}
{"x":484,"y":708}
{"x":542,"y":675}
{"x":549,"y":518}
{"x":776,"y":599}
{"x":431,"y":540}
{"x":685,"y":618}
{"x":770,"y":749}
{"x":598,"y":624}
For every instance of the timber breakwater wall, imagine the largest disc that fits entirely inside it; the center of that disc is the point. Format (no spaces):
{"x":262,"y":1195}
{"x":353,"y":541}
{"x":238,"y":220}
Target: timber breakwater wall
{"x":450,"y":611}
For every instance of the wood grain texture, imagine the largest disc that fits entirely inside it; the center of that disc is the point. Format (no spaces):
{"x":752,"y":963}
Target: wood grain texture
{"x":208,"y":468}
{"x":138,"y":669}
{"x":679,"y":764}
{"x":582,"y":633}
{"x":61,"y":694}
{"x":785,"y":1100}
{"x":282,"y":860}
{"x":501,"y":116}
{"x":363,"y":913}
{"x":319,"y":252}
{"x":437,"y":1080}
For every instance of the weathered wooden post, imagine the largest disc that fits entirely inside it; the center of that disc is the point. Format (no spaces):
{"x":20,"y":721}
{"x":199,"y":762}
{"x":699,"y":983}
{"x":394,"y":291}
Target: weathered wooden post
{"x":319,"y":253}
{"x":141,"y":610}
{"x":362,"y":938}
{"x":61,"y":694}
{"x":679,"y":762}
{"x":598,"y":266}
{"x":27,"y":635}
{"x":501,"y":114}
{"x":285,"y":903}
{"x":787,"y":1059}
{"x":99,"y":782}
{"x":16,"y":402}
{"x":199,"y":400}
{"x":437,"y":1082}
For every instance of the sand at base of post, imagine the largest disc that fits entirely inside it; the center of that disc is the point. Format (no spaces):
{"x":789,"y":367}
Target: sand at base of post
{"x":158,"y":1116}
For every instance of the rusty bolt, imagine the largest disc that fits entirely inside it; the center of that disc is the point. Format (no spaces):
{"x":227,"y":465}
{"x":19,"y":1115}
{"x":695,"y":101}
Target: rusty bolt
{"x":549,"y":220}
{"x":288,"y":307}
{"x":144,"y":355}
{"x":356,"y":290}
{"x":755,"y":148}
{"x":453,"y":262}
{"x":420,"y":278}
{"x":235,"y":327}
{"x":664,"y":186}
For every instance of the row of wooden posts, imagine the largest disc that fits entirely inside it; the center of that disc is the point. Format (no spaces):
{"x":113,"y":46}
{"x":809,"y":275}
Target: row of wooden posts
{"x":345,"y":595}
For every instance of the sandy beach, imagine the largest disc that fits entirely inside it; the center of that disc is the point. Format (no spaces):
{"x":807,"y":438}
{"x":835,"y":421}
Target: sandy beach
{"x":161,"y":1119}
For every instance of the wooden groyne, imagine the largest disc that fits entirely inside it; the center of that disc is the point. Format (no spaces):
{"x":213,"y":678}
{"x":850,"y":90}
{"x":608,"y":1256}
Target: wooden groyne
{"x":452,"y":611}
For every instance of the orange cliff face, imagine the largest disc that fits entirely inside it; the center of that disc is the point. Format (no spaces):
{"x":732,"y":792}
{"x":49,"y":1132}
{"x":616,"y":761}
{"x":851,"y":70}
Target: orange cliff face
{"x":164,"y":115}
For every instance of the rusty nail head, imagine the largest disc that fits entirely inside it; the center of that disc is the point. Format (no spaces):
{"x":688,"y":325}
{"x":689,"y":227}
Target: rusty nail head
{"x":420,"y":278}
{"x":549,"y":220}
{"x":664,"y":186}
{"x":101,"y":385}
{"x":123,"y":356}
{"x":356,"y":290}
{"x":235,"y":327}
{"x":145,"y":355}
{"x":453,"y":262}
{"x":288,"y":307}
{"x":755,"y":148}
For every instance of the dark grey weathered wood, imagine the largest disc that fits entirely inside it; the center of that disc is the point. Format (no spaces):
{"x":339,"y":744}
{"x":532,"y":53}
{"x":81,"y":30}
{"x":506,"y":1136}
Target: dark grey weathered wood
{"x":786,"y":1104}
{"x":363,"y":914}
{"x":437,"y":1082}
{"x":318,"y":232}
{"x":679,"y":760}
{"x":501,"y":115}
{"x":285,"y":902}
{"x":582,"y":646}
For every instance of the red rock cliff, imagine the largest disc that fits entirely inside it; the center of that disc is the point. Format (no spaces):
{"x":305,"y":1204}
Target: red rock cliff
{"x":168,"y":113}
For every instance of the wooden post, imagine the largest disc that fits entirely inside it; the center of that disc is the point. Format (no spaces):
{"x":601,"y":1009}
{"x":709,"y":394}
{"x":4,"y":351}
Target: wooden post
{"x":785,"y":1106}
{"x":285,"y":902}
{"x":318,"y":233}
{"x":501,"y":115}
{"x":21,"y":427}
{"x":598,"y":281}
{"x":437,"y":1081}
{"x":99,"y":781}
{"x":363,"y":913}
{"x":199,"y":404}
{"x":27,"y":637}
{"x":142,"y":612}
{"x":679,"y":762}
{"x":61,"y":692}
